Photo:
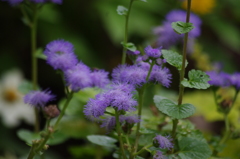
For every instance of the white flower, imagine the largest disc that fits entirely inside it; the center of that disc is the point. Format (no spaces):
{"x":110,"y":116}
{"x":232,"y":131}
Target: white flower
{"x":12,"y":107}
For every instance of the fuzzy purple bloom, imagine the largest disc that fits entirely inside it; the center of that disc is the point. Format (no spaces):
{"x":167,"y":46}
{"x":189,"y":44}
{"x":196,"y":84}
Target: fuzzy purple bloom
{"x":218,"y":79}
{"x":118,"y":96}
{"x":161,"y":75}
{"x":158,"y":155}
{"x":60,"y":55}
{"x":38,"y":98}
{"x":166,"y":35}
{"x":163,"y":142}
{"x":155,"y":53}
{"x":13,"y":2}
{"x":99,"y":78}
{"x":44,"y":1}
{"x":78,"y":77}
{"x":235,"y":80}
{"x":133,"y":52}
{"x":130,"y":74}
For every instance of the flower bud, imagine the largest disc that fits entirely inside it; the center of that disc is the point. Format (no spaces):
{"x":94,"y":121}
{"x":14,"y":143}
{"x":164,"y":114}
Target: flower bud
{"x":51,"y":111}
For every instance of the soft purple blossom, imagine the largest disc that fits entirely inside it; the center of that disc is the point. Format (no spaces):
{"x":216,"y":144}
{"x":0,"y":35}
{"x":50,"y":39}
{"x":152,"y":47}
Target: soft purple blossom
{"x":13,"y":2}
{"x":60,"y":55}
{"x":99,"y":78}
{"x":78,"y":77}
{"x":158,"y":155}
{"x":163,"y":142}
{"x":235,"y":80}
{"x":38,"y":1}
{"x":38,"y":98}
{"x":118,"y":96}
{"x":166,"y":35}
{"x":43,"y":1}
{"x":151,"y":52}
{"x":129,"y":52}
{"x":161,"y":75}
{"x":219,"y":79}
{"x":133,"y":74}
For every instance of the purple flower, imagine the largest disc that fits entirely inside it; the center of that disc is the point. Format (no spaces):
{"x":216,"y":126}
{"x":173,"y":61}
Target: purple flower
{"x":38,"y":98}
{"x":60,"y":55}
{"x":118,"y":96}
{"x":218,"y":79}
{"x":78,"y":77}
{"x":99,"y":78}
{"x":133,"y":52}
{"x":158,"y":155}
{"x":155,"y":53}
{"x":43,"y":1}
{"x":235,"y":80}
{"x":13,"y":2}
{"x":161,"y":75}
{"x":133,"y":74}
{"x":163,"y":142}
{"x":38,"y":1}
{"x":166,"y":35}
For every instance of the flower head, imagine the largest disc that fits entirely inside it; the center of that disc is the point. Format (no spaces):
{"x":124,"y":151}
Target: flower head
{"x":60,"y":55}
{"x":218,"y":79}
{"x":78,"y":77}
{"x":38,"y":98}
{"x":99,"y":78}
{"x":13,"y":2}
{"x":133,"y":52}
{"x":235,"y":80}
{"x":158,"y":155}
{"x":155,"y":53}
{"x":163,"y":142}
{"x":161,"y":75}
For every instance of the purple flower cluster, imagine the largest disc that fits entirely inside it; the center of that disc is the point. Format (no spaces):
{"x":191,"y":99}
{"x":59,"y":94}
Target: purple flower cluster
{"x":151,"y":52}
{"x":17,"y":2}
{"x":38,"y":98}
{"x":118,"y":96}
{"x":60,"y":55}
{"x":137,"y":74}
{"x":158,"y":155}
{"x":166,"y":35}
{"x":222,"y":79}
{"x":110,"y":122}
{"x":163,"y":142}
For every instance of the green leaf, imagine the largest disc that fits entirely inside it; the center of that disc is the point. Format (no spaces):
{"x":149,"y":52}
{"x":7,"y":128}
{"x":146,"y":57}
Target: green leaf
{"x":121,"y":10}
{"x":39,"y":54}
{"x":182,"y":27}
{"x":173,"y":110}
{"x":147,"y":131}
{"x":102,"y":140}
{"x":197,"y":79}
{"x":173,"y":58}
{"x":192,"y":148}
{"x":129,"y":46}
{"x":141,"y":0}
{"x":27,"y":135}
{"x":25,"y":87}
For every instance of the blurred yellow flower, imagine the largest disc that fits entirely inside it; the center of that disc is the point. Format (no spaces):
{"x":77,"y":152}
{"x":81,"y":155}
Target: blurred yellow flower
{"x":201,"y":6}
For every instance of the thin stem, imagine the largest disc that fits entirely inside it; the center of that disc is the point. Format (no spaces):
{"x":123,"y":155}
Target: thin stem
{"x":182,"y":72}
{"x":63,"y":110}
{"x":119,"y":134}
{"x":143,"y":149}
{"x":140,"y":104}
{"x":126,"y":32}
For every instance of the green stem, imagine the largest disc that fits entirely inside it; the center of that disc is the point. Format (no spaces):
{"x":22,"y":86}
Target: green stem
{"x":70,"y":95}
{"x":126,"y":33}
{"x":140,"y":104}
{"x":143,"y":149}
{"x":182,"y":72}
{"x":119,"y":134}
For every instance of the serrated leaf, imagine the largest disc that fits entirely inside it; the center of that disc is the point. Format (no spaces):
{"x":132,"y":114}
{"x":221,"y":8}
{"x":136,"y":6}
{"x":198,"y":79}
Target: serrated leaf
{"x":191,"y":148}
{"x":102,"y":140}
{"x":182,"y":27}
{"x":129,"y":46}
{"x":121,"y":10}
{"x":173,"y":110}
{"x":173,"y":58}
{"x":197,"y":79}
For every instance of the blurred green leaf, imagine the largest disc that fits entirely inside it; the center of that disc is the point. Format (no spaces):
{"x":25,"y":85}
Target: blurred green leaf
{"x":27,"y":135}
{"x":39,"y":54}
{"x":102,"y":140}
{"x":191,"y":148}
{"x":173,"y":110}
{"x":173,"y":58}
{"x":141,"y":0}
{"x":121,"y":10}
{"x":182,"y":27}
{"x":197,"y":79}
{"x":146,"y":139}
{"x":25,"y":87}
{"x":129,"y":46}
